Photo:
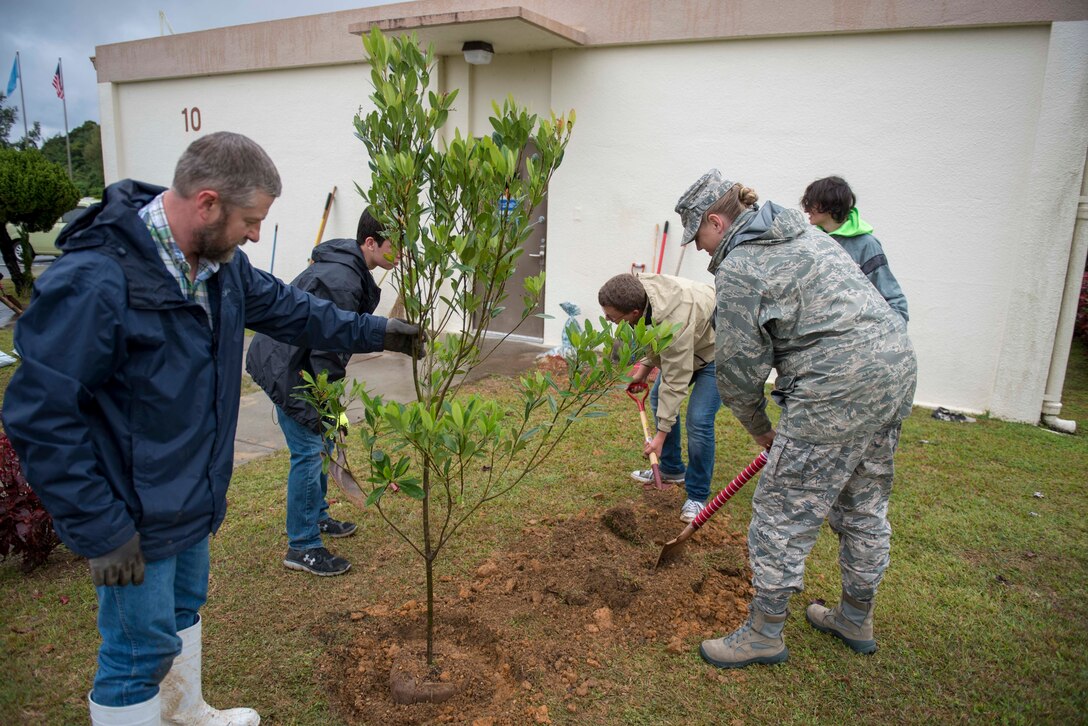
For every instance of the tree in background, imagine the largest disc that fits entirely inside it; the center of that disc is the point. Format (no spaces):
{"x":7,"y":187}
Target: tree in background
{"x":8,"y":117}
{"x":34,"y":192}
{"x":86,"y":143}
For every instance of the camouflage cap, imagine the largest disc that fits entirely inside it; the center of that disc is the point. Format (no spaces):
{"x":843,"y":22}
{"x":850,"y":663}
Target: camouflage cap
{"x":697,"y":199}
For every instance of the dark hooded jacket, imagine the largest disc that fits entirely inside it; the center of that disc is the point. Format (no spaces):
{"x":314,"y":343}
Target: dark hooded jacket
{"x":338,"y":274}
{"x":124,"y":409}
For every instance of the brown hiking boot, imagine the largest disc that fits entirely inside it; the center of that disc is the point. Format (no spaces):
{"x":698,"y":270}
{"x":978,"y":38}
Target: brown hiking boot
{"x":851,"y":621}
{"x":759,"y":640}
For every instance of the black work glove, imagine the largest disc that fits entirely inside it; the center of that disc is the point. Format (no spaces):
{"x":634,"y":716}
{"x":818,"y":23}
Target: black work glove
{"x":122,"y":566}
{"x":403,"y":337}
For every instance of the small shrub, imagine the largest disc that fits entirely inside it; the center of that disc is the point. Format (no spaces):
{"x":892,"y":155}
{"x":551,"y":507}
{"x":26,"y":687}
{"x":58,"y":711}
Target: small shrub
{"x":25,"y":527}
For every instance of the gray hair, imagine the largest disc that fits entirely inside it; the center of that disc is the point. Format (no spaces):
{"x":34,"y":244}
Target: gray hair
{"x":233,"y":165}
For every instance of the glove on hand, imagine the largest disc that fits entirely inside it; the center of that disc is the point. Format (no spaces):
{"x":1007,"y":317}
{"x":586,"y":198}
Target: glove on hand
{"x":402,"y":337}
{"x":122,"y":566}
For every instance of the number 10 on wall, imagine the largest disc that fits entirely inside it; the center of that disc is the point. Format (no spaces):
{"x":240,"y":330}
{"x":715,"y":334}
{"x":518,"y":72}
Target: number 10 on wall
{"x":192,"y":118}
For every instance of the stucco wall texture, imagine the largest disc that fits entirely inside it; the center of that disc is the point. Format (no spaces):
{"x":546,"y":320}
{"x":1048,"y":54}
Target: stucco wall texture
{"x":965,"y":146}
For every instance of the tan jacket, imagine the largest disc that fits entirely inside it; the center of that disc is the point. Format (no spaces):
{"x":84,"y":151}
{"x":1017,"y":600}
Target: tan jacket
{"x":676,"y":300}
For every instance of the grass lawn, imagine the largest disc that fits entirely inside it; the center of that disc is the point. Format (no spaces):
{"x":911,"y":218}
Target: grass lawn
{"x":981,"y":617}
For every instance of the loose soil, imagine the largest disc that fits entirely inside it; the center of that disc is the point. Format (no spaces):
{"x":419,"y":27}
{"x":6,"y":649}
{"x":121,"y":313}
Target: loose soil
{"x":549,"y":620}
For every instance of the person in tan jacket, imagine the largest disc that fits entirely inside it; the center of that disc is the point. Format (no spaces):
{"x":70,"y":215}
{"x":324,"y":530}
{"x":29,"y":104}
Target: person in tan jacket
{"x":686,"y":364}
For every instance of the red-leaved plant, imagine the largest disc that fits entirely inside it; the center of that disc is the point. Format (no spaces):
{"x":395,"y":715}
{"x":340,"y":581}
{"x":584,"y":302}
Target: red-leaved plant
{"x":25,"y":527}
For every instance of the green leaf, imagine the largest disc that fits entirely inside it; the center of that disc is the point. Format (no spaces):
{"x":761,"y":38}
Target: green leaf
{"x":411,"y":489}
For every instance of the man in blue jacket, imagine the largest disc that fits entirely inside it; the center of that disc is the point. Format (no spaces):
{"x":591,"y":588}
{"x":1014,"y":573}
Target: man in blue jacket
{"x":340,"y":273}
{"x":124,"y":409}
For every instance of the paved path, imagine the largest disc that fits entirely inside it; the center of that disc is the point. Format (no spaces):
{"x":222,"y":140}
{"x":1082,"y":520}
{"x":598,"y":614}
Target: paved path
{"x":388,"y":374}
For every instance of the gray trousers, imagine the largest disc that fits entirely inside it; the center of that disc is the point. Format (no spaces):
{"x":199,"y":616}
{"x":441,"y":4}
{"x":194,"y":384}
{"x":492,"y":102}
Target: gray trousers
{"x":802,"y":485}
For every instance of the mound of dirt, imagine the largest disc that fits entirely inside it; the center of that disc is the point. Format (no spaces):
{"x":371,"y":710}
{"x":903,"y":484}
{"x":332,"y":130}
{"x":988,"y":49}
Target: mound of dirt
{"x":623,"y":523}
{"x":549,"y":618}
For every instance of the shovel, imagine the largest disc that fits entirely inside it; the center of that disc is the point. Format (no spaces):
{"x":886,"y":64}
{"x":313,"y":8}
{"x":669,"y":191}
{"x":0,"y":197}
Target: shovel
{"x":340,"y":472}
{"x":655,"y":465}
{"x":672,"y":547}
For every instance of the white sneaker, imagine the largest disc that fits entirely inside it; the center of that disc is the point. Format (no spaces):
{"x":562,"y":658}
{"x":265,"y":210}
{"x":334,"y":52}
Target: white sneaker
{"x":647,"y":475}
{"x":690,"y":510}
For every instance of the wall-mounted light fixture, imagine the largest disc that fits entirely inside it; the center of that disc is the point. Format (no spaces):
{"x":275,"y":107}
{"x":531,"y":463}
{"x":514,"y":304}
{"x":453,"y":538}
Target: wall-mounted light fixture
{"x":477,"y":52}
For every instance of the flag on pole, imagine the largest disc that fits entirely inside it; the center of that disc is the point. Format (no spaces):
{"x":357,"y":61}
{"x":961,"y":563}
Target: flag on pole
{"x":14,"y":76}
{"x":58,"y":83}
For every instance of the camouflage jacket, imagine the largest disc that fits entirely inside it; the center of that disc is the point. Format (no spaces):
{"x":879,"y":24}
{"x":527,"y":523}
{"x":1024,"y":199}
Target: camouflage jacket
{"x":790,"y":298}
{"x":689,"y":304}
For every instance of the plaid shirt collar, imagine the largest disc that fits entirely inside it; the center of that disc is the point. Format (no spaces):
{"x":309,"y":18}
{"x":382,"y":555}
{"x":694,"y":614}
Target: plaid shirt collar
{"x":154,"y":216}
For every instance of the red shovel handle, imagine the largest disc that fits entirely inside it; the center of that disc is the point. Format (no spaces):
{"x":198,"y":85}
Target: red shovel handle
{"x":633,"y":389}
{"x":726,"y":494}
{"x":655,"y":465}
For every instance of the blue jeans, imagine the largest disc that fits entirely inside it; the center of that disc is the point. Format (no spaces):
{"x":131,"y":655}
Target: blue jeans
{"x":307,"y":484}
{"x":703,"y":405}
{"x":139,"y":625}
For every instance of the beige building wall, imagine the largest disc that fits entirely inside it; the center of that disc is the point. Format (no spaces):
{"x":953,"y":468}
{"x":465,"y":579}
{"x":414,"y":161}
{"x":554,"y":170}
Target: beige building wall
{"x":302,"y":117}
{"x":965,"y":143}
{"x":935,"y":131}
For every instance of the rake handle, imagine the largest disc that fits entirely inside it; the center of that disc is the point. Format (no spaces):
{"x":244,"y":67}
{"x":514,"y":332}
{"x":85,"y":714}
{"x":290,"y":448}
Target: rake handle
{"x":726,"y":494}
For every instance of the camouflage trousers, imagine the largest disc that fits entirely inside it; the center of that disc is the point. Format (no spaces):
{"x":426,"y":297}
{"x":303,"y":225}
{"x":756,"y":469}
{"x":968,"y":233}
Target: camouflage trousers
{"x":802,"y":485}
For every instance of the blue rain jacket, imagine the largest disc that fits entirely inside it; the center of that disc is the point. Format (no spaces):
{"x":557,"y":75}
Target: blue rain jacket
{"x":124,"y":409}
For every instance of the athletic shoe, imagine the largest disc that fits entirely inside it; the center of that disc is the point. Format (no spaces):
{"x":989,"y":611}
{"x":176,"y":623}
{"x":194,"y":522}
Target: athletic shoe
{"x":647,"y":475}
{"x":690,"y":510}
{"x":336,"y":528}
{"x":316,"y":561}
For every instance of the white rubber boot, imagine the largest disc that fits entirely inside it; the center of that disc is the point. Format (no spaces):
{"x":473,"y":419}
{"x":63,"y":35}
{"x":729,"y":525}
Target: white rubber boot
{"x":182,"y":701}
{"x":139,"y":714}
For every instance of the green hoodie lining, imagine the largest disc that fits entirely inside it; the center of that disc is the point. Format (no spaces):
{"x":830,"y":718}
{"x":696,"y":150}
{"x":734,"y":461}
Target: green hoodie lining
{"x":854,"y":226}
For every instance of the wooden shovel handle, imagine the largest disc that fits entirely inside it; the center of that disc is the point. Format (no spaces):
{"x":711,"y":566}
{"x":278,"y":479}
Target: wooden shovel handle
{"x":646,"y":432}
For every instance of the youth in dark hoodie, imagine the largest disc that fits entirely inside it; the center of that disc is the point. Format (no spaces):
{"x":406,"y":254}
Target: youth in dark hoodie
{"x":341,"y":274}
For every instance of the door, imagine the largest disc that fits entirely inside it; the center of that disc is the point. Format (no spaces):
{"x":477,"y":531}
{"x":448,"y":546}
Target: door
{"x":531,"y":262}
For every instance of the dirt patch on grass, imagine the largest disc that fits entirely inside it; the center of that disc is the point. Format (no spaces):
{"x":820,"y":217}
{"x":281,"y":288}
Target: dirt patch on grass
{"x":549,"y":619}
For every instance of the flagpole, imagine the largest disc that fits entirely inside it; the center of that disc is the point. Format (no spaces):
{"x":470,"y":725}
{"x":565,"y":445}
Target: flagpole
{"x":22,"y":97}
{"x":64,"y":100}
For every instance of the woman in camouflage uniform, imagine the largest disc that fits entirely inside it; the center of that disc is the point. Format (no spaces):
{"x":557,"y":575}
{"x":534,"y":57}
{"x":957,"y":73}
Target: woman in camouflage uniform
{"x":790,"y":298}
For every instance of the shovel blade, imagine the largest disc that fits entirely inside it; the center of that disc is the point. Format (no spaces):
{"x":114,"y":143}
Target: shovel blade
{"x":339,"y":473}
{"x":669,"y":553}
{"x":672,"y":549}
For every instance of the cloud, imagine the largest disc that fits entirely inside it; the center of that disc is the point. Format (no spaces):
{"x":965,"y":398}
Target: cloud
{"x":45,"y":30}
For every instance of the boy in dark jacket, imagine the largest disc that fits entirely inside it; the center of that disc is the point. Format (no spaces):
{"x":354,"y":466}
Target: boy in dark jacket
{"x":830,"y":205}
{"x":341,"y":274}
{"x":124,"y":409}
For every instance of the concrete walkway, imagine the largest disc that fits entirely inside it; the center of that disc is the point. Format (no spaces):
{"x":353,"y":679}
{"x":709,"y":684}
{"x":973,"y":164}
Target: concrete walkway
{"x":388,"y":374}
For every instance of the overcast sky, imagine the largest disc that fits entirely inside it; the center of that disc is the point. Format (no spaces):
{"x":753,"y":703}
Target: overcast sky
{"x":45,"y":30}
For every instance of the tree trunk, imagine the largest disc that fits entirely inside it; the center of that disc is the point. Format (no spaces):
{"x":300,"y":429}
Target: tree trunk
{"x":11,"y":260}
{"x":428,"y":557}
